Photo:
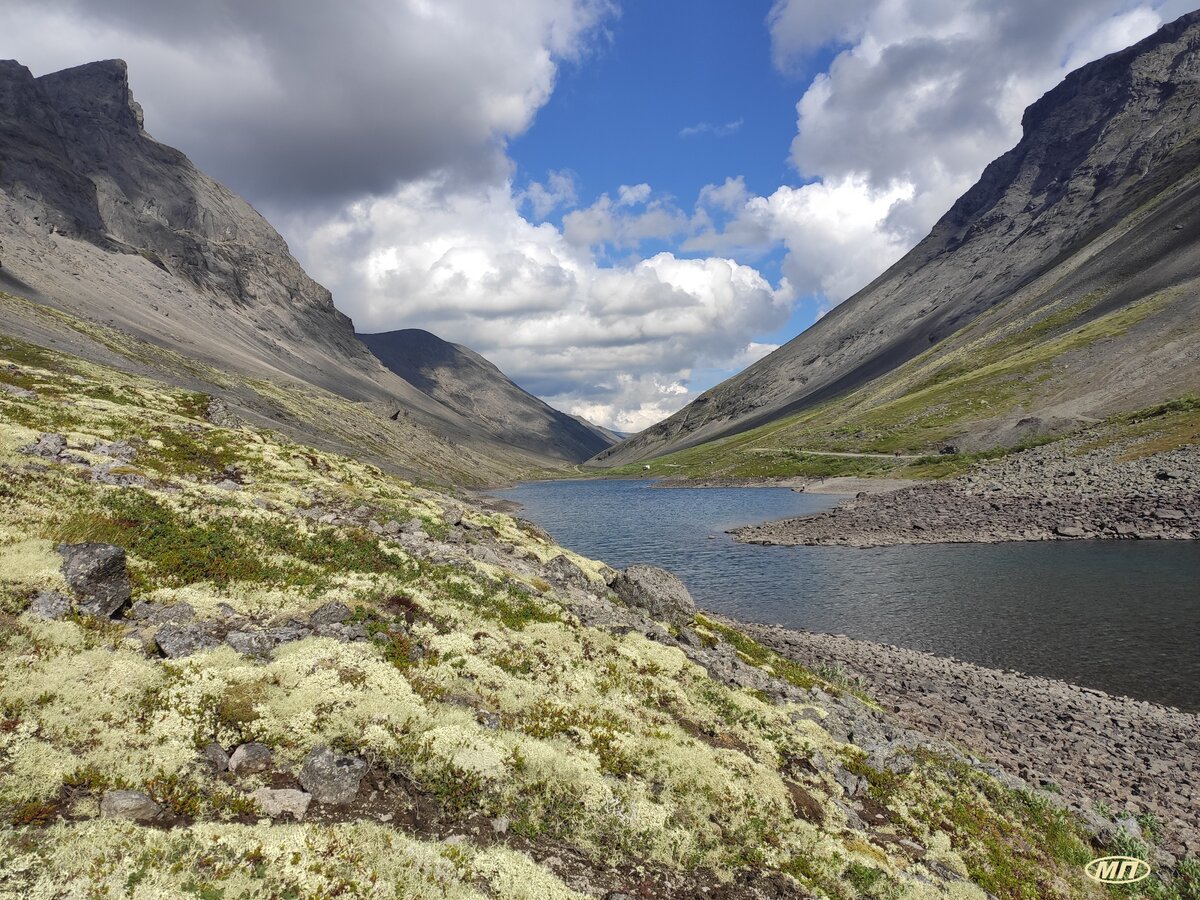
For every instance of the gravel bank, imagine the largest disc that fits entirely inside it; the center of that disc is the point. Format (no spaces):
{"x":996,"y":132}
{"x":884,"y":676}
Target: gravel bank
{"x":1048,"y":493}
{"x":1133,"y":756}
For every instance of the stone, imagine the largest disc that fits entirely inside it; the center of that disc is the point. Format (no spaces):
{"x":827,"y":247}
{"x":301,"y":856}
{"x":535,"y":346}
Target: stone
{"x":250,"y":759}
{"x":122,"y":450}
{"x":176,"y":612}
{"x":215,"y":757}
{"x":97,"y":576}
{"x":176,"y":641}
{"x":49,"y":605}
{"x":331,"y":778}
{"x":228,"y":484}
{"x":500,"y":825}
{"x":331,"y":614}
{"x":279,"y":802}
{"x":19,"y":392}
{"x":47,"y":445}
{"x":1071,"y":531}
{"x":131,"y":805}
{"x":659,"y":592}
{"x":562,"y":571}
{"x":251,"y":643}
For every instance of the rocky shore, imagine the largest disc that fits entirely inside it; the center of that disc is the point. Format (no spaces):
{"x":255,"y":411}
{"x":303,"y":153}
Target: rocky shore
{"x":1107,"y":755}
{"x":1054,"y":492}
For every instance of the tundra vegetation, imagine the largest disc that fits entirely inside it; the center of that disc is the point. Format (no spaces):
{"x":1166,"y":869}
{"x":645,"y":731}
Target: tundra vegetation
{"x":506,"y":749}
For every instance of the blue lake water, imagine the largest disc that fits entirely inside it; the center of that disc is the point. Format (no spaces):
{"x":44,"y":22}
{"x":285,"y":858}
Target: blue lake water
{"x":1120,"y":616}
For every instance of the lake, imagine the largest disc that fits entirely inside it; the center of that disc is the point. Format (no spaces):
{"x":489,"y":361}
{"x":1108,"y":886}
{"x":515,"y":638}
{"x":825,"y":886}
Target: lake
{"x":1120,"y":616}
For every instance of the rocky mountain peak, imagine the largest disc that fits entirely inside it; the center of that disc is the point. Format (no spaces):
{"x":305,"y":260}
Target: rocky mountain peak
{"x":96,"y":91}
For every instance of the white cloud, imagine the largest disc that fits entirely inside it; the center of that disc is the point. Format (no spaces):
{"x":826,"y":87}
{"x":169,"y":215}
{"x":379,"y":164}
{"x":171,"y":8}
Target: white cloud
{"x":928,"y":92}
{"x":614,"y":343}
{"x":701,"y":128}
{"x":559,"y":190}
{"x":616,"y":224}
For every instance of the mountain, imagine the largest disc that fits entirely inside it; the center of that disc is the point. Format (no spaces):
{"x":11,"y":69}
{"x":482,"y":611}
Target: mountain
{"x":1060,"y":288}
{"x":116,"y":247}
{"x":464,"y":381}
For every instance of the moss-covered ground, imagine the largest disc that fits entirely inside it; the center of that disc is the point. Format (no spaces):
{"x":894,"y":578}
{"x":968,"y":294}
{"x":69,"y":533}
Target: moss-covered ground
{"x":494,"y":703}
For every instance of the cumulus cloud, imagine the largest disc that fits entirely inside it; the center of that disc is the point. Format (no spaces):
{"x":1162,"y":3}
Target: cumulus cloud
{"x":925,"y":93}
{"x":294,"y":101}
{"x":616,"y":344}
{"x":558,"y":190}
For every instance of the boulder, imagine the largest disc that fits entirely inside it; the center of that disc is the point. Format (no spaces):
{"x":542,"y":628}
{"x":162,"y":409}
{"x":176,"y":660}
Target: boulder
{"x":282,"y":802}
{"x":331,"y":778}
{"x":97,"y":576}
{"x":176,"y":641}
{"x":48,"y":446}
{"x":250,"y":643}
{"x":331,"y":614}
{"x":131,"y":805}
{"x":250,"y":759}
{"x":660,"y":593}
{"x":49,"y":605}
{"x":215,"y":757}
{"x":561,"y":570}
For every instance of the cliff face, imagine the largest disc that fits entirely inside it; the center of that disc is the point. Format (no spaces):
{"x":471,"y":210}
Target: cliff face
{"x":461,"y":379}
{"x":1097,"y":198}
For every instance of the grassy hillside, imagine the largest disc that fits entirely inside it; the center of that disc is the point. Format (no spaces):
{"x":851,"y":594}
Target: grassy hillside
{"x":510,"y":750}
{"x":901,"y":421}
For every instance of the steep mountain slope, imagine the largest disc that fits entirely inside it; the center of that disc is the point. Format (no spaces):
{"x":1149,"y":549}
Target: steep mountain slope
{"x":1061,"y":286}
{"x":464,"y":381}
{"x":101,"y":222}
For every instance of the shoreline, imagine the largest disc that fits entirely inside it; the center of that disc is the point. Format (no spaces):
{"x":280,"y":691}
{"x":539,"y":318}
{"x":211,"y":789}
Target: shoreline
{"x":1045,"y":494}
{"x":1133,"y":756}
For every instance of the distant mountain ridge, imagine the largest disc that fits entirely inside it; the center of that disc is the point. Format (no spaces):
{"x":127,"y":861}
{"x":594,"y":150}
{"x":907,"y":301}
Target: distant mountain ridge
{"x":461,"y":379}
{"x":1091,"y":222}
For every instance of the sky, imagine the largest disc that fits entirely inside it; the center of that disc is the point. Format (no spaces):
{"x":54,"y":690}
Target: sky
{"x":618,"y":203}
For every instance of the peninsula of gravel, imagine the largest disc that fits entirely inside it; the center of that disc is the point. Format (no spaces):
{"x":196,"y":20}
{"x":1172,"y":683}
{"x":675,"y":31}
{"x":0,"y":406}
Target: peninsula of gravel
{"x":1094,"y":485}
{"x":232,"y":665}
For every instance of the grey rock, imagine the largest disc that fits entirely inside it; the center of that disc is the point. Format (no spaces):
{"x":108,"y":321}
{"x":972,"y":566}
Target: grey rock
{"x":176,"y":612}
{"x":660,"y":593}
{"x":49,"y":605}
{"x":279,"y":802}
{"x":331,"y":778}
{"x":19,"y":392}
{"x":228,"y":484}
{"x":215,"y":757}
{"x":177,"y":641}
{"x":48,"y":446}
{"x":257,"y":644}
{"x":331,"y":614}
{"x":122,"y":450}
{"x":250,"y":759}
{"x":561,"y":570}
{"x":97,"y":576}
{"x":131,"y":805}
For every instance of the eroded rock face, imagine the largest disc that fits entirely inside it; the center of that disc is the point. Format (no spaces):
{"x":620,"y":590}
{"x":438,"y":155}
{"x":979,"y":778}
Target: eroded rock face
{"x":132,"y":805}
{"x":331,"y":778}
{"x":98,"y":577}
{"x":657,"y":591}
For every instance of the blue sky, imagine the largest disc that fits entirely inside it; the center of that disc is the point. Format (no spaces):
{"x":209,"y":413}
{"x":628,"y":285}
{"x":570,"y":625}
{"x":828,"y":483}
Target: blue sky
{"x":511,"y":174}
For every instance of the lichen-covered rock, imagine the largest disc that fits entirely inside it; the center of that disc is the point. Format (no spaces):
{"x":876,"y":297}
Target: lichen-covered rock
{"x":250,"y":643}
{"x":280,"y":802}
{"x":250,"y":759}
{"x":660,"y":593}
{"x":331,"y":778}
{"x":561,"y":570}
{"x":97,"y":575}
{"x":132,"y":805}
{"x":49,"y":605}
{"x":48,"y":446}
{"x":215,"y":757}
{"x":331,"y":614}
{"x":176,"y":640}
